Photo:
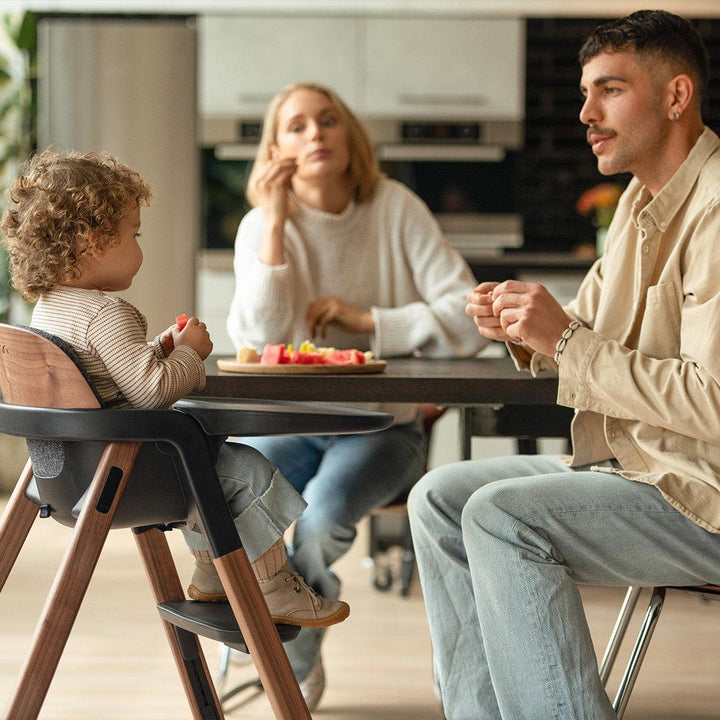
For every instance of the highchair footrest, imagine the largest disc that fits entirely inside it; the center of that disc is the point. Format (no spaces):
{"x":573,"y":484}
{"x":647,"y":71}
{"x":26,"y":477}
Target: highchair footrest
{"x":215,"y":621}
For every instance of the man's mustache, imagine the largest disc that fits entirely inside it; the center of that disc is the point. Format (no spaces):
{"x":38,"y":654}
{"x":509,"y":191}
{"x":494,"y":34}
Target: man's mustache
{"x":595,"y":131}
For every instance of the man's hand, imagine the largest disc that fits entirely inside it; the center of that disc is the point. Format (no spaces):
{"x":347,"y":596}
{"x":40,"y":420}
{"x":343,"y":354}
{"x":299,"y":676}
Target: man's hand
{"x":479,"y":308}
{"x":529,"y":314}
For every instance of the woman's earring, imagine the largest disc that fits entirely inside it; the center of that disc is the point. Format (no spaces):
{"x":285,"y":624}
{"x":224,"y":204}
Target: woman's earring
{"x":676,"y":116}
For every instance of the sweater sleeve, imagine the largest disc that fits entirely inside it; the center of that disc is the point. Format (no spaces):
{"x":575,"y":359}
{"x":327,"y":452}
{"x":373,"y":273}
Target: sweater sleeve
{"x":117,"y":336}
{"x":434,"y":323}
{"x":264,"y":295}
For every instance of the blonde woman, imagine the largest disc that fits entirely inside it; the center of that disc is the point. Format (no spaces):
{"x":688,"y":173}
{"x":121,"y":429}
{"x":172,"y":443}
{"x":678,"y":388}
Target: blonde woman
{"x":336,"y":252}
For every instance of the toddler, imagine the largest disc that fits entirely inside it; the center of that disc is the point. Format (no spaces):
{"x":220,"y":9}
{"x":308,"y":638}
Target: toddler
{"x":72,"y":232}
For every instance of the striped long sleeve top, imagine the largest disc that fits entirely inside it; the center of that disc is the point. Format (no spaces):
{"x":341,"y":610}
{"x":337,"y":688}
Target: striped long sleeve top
{"x":109,"y":336}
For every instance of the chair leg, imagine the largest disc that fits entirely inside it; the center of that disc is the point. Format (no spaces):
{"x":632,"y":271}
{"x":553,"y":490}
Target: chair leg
{"x":224,"y":668}
{"x":263,"y":641}
{"x":627,"y":682}
{"x":618,"y":632}
{"x":71,"y":581}
{"x":15,"y":523}
{"x":186,"y":649}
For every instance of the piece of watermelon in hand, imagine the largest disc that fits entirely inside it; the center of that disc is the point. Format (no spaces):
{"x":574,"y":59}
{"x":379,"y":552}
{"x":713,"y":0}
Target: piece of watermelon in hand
{"x":181,"y":321}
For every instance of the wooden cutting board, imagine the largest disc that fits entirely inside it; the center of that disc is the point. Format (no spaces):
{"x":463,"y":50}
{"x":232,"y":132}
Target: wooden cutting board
{"x":230,"y":365}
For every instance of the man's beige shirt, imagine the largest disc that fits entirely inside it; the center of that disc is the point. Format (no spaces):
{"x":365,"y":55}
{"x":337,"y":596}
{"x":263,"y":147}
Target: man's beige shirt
{"x":644,"y":371}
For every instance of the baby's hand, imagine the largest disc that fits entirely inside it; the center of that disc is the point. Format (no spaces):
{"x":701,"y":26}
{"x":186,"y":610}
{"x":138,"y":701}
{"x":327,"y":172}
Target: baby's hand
{"x":194,"y":335}
{"x":166,"y":340}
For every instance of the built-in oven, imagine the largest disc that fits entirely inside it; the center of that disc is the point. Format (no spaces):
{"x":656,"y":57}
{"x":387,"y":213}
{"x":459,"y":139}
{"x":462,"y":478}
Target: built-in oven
{"x":468,"y":174}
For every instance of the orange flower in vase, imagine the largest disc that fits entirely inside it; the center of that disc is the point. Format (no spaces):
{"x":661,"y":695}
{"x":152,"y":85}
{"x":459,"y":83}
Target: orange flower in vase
{"x":600,"y":201}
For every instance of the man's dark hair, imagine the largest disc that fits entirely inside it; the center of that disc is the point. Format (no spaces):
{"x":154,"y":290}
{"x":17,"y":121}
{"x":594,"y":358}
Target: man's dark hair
{"x":654,"y":33}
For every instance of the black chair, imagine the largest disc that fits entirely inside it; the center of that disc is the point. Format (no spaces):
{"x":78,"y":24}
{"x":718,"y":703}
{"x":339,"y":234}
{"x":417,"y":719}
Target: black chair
{"x":95,"y":469}
{"x":655,"y":605}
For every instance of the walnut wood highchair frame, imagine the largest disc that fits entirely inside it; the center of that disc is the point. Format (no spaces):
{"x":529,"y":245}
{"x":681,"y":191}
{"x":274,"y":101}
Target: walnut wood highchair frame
{"x":47,"y":399}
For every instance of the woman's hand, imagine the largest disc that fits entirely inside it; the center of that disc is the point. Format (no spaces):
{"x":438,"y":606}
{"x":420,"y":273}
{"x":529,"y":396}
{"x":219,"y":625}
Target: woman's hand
{"x":273,"y":188}
{"x":273,"y":184}
{"x":331,"y":310}
{"x":195,"y":335}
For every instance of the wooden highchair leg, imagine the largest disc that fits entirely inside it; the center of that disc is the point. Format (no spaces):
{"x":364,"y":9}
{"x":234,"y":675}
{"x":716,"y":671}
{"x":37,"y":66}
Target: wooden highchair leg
{"x":261,"y":636}
{"x":185,"y":646}
{"x":71,"y":581}
{"x":15,"y":523}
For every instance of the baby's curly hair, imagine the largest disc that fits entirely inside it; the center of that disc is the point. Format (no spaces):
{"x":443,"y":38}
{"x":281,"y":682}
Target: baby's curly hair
{"x":57,"y":205}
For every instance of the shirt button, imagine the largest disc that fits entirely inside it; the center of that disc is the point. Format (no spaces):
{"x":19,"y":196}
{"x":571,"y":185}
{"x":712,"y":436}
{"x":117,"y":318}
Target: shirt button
{"x":663,"y":225}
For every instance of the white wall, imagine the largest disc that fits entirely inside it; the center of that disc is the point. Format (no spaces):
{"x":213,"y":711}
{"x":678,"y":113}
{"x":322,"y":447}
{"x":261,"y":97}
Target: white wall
{"x":528,"y":8}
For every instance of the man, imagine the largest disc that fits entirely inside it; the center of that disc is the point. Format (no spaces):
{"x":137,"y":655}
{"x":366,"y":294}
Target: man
{"x":502,"y":543}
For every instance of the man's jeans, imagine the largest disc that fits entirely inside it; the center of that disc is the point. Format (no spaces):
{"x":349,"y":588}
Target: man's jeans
{"x":501,"y":544}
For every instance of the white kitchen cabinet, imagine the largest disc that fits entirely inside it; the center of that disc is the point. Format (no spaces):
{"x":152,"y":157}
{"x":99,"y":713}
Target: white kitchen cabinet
{"x":245,"y":60}
{"x":430,"y":68}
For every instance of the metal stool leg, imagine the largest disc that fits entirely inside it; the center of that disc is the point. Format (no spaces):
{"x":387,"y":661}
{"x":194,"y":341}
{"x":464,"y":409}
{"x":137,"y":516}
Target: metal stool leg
{"x":618,"y":632}
{"x":627,"y":682}
{"x":223,"y":668}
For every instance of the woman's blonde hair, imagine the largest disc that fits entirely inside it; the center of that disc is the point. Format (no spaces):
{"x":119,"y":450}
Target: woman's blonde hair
{"x":363,"y":169}
{"x":58,"y":205}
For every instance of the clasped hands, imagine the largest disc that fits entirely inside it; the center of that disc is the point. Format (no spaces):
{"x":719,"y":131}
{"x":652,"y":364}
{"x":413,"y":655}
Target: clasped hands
{"x":331,"y":310}
{"x":518,"y":312}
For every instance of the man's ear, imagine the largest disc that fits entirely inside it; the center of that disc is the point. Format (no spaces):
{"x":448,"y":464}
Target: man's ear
{"x":681,"y":90}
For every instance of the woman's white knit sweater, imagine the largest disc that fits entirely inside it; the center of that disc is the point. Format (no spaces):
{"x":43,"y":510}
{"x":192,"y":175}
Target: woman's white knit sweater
{"x":387,"y":255}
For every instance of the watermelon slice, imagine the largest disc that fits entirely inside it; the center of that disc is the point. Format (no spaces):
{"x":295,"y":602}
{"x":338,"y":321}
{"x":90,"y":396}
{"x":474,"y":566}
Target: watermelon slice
{"x":275,"y":355}
{"x":181,"y":321}
{"x":346,"y":357}
{"x":308,"y":358}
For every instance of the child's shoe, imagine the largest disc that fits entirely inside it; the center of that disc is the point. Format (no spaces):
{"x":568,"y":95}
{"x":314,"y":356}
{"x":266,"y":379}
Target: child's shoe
{"x":293,"y":602}
{"x":290,"y":600}
{"x":205,"y":585}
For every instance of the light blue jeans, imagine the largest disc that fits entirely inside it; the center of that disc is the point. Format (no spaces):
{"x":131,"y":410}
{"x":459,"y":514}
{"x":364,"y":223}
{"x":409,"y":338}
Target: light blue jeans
{"x":342,"y":478}
{"x":262,"y":502}
{"x":501,"y":546}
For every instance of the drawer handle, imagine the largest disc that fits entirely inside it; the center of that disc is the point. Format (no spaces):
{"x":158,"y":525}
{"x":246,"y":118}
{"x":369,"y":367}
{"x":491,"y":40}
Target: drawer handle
{"x":431,"y":99}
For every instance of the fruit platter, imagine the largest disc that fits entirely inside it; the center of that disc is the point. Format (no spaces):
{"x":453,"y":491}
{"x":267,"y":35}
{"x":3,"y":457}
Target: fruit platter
{"x":305,"y":359}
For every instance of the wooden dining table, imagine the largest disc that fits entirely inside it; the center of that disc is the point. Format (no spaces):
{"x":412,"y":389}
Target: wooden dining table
{"x":494,"y":397}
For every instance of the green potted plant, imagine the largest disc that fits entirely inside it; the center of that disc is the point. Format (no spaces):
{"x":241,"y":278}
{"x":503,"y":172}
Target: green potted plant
{"x":17,"y":141}
{"x":18,"y":42}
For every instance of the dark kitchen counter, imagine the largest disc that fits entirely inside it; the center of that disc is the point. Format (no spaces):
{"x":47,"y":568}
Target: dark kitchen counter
{"x":508,"y":265}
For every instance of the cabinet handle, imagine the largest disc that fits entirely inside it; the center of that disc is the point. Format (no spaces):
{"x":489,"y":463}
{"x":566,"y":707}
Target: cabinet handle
{"x":440,"y":152}
{"x":432,"y":99}
{"x":255,"y":98}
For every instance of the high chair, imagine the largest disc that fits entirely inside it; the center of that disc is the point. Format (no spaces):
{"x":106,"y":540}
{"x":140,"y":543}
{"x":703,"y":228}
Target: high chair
{"x":95,"y":469}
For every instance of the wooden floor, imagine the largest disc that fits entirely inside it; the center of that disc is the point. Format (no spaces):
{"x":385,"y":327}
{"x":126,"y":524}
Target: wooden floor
{"x":117,"y":664}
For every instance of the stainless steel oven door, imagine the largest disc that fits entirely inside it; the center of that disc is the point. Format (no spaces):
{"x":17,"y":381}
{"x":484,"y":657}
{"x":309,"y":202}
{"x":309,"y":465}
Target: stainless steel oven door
{"x":472,"y":189}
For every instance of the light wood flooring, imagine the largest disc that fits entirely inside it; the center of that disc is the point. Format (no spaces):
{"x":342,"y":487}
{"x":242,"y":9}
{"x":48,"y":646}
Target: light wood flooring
{"x":117,"y":664}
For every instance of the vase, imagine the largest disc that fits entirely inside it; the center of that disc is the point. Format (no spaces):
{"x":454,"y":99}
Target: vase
{"x":600,"y":235}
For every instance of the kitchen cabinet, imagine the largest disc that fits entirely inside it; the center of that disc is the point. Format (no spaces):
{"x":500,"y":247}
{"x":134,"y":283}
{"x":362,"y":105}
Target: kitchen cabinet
{"x":434,"y":69}
{"x":244,"y":60}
